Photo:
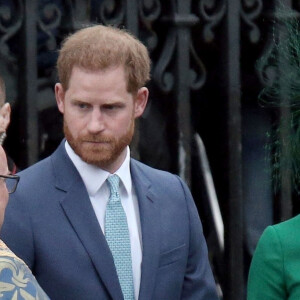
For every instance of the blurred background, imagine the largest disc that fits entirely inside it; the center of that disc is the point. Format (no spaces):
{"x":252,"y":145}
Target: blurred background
{"x":206,"y":121}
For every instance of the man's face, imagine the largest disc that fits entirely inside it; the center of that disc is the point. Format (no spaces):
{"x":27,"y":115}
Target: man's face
{"x":3,"y":189}
{"x":99,"y":115}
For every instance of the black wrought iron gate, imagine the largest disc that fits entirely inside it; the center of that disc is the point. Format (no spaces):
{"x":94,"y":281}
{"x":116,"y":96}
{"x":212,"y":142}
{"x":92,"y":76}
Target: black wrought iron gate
{"x":204,"y":84}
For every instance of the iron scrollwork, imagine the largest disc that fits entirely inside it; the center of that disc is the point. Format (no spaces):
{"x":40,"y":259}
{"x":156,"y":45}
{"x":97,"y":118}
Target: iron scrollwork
{"x":197,"y":79}
{"x":112,"y":12}
{"x":212,"y":15}
{"x":49,"y":20}
{"x":164,"y":79}
{"x":251,"y":9}
{"x":11,"y":19}
{"x":149,"y":11}
{"x":267,"y":68}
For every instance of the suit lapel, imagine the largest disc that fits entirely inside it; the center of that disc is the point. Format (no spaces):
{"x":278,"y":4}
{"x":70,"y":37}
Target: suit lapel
{"x":79,"y":211}
{"x":150,"y":226}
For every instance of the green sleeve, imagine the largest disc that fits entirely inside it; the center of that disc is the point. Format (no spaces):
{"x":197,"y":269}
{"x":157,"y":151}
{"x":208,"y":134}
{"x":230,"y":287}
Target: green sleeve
{"x":266,"y":275}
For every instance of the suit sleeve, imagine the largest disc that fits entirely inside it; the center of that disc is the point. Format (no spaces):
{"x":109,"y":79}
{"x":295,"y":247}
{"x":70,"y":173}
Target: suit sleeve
{"x":16,"y":231}
{"x":198,"y":280}
{"x":266,"y":275}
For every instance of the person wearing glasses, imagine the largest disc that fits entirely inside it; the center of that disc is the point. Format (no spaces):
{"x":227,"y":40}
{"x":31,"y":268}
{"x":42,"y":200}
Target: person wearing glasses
{"x":16,"y":279}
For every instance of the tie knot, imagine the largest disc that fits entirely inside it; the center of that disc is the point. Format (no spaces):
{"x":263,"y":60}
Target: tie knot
{"x":113,"y":183}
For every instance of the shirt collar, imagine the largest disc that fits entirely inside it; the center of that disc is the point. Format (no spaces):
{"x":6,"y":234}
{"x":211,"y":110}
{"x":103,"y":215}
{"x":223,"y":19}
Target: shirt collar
{"x":94,"y":177}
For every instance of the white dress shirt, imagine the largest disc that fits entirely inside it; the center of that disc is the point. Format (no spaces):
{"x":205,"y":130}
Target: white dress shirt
{"x":94,"y":179}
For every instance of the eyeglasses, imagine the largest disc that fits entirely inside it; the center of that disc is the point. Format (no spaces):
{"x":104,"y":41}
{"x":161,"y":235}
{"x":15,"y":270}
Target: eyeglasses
{"x":11,"y":182}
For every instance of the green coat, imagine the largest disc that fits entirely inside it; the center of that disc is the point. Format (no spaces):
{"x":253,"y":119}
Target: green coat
{"x":275,"y":267}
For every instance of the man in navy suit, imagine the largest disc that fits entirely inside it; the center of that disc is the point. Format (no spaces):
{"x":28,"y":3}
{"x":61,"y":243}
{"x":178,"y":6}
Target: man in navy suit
{"x":57,"y":220}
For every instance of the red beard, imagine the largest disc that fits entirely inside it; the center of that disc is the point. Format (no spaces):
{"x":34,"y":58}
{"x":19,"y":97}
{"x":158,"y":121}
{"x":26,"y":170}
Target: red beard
{"x":99,"y":150}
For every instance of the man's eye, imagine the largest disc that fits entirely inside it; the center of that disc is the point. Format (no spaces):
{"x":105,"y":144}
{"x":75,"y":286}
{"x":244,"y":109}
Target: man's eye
{"x":112,"y":107}
{"x":82,"y":105}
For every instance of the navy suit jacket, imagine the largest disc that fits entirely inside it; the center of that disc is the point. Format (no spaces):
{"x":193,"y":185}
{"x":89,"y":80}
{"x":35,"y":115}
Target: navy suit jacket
{"x":50,"y":223}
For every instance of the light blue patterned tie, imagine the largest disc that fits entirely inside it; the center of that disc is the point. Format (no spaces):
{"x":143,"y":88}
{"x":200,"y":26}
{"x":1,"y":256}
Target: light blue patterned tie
{"x":117,"y":236}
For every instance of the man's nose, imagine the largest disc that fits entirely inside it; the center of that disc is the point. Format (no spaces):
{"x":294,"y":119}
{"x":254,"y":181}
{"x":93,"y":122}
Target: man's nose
{"x":95,"y":122}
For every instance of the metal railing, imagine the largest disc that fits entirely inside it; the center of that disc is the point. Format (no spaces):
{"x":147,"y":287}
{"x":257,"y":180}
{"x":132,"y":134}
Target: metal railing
{"x":203,"y":81}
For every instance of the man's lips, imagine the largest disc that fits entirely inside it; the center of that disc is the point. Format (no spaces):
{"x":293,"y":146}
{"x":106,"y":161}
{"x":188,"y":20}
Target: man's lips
{"x":97,"y":142}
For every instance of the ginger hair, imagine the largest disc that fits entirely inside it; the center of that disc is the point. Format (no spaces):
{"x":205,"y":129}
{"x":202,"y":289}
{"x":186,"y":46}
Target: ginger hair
{"x":101,"y":47}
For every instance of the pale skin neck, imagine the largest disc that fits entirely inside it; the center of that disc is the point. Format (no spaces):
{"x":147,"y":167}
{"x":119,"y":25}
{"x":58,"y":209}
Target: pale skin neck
{"x":114,"y":166}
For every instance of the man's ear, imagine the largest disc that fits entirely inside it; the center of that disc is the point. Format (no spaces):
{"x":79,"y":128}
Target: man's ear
{"x":60,"y":97}
{"x":141,"y":101}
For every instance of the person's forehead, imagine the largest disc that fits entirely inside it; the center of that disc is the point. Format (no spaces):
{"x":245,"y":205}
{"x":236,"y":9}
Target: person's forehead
{"x":85,"y":79}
